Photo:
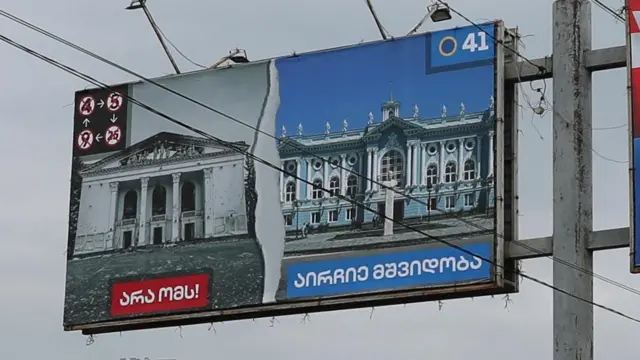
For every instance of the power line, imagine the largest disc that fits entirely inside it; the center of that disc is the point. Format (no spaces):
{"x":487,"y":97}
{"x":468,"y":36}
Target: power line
{"x":545,"y":100}
{"x":609,"y":10}
{"x":540,"y":68}
{"x":234,"y":147}
{"x":178,"y":50}
{"x":300,"y":148}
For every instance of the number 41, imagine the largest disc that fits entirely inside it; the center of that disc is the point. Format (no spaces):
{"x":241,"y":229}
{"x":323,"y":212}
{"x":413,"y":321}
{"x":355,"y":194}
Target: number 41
{"x":471,"y":44}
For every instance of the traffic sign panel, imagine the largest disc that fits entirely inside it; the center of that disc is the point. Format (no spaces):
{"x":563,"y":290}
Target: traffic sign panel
{"x":104,"y":114}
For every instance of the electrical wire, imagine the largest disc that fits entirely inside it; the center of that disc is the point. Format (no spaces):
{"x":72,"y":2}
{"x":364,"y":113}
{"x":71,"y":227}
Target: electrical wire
{"x":178,"y":50}
{"x":235,"y":147}
{"x":543,"y":90}
{"x":459,"y":218}
{"x":609,"y":10}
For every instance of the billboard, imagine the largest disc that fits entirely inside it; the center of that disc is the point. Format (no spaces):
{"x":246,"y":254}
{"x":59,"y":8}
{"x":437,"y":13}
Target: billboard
{"x":633,"y":70}
{"x":366,"y":175}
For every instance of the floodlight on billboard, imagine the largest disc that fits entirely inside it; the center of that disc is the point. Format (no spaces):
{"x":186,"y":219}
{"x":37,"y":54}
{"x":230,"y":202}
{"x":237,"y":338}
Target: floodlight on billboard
{"x":365,"y":175}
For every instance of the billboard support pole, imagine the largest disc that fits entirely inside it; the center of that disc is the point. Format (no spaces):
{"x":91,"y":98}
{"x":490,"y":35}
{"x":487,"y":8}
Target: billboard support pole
{"x":572,"y":181}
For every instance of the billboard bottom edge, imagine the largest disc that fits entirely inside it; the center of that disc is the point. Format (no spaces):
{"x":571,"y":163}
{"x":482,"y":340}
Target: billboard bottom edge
{"x":291,"y":308}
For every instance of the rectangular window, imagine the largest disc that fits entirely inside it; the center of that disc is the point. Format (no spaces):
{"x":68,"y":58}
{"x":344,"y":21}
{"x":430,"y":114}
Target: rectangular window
{"x":450,"y":202}
{"x":315,"y":218}
{"x":288,"y":219}
{"x":469,"y":200}
{"x":433,"y":204}
{"x":350,"y":214}
{"x":333,"y":216}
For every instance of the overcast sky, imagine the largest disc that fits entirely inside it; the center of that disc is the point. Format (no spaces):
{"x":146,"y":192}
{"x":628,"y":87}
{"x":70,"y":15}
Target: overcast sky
{"x":36,"y":116}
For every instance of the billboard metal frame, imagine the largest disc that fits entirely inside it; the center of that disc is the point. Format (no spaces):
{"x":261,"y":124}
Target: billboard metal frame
{"x":633,"y":111}
{"x":504,"y":272}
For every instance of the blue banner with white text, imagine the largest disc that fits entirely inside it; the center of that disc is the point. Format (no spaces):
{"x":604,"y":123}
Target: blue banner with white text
{"x":391,"y":271}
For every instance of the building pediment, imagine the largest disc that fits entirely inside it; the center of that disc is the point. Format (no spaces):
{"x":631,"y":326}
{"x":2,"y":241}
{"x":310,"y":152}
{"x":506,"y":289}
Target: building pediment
{"x":288,"y":145}
{"x":163,"y":148}
{"x":404,"y":125}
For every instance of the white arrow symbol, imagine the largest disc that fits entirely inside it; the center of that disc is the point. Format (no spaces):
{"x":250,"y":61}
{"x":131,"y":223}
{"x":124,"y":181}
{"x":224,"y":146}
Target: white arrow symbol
{"x":114,"y":118}
{"x":101,"y":103}
{"x":86,"y":122}
{"x":98,"y":137}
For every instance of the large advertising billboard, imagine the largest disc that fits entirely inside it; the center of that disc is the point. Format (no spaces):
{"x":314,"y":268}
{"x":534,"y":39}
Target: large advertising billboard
{"x":359,"y":176}
{"x":633,"y":70}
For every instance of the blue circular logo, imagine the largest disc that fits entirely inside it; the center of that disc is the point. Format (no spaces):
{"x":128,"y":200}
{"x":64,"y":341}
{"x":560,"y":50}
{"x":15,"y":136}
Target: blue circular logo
{"x":448,"y":46}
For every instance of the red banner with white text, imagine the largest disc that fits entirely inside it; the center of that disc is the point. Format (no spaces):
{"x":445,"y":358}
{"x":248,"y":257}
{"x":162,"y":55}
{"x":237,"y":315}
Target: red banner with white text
{"x":160,"y":294}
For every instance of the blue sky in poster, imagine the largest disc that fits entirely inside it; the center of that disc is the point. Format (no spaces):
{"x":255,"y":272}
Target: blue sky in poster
{"x":349,"y":83}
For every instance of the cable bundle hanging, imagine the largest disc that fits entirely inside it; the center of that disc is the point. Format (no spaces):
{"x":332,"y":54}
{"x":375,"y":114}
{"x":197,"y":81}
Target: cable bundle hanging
{"x":254,"y":157}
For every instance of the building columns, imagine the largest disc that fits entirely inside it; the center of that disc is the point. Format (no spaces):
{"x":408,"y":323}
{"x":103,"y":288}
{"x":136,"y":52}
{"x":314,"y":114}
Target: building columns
{"x":361,"y":172}
{"x":142,"y":234}
{"x":415,"y":153}
{"x":477,"y":157}
{"x":343,"y":175}
{"x":374,"y":176}
{"x":208,"y":202}
{"x":113,"y":209}
{"x":460,"y":159}
{"x":491,"y":133}
{"x":325,"y":181}
{"x":423,"y":161}
{"x":369,"y":169}
{"x":282,"y":182}
{"x":441,"y":166}
{"x":409,"y":164}
{"x":175,"y":225}
{"x":309,"y":187}
{"x":298,"y":164}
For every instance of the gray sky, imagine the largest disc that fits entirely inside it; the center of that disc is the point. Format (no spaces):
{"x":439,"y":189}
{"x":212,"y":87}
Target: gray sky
{"x":37,"y":147}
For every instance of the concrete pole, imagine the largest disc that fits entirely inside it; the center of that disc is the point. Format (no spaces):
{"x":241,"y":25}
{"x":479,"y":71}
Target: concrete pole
{"x":572,"y":181}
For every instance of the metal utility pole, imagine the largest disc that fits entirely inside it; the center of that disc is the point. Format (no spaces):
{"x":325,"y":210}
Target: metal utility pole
{"x":572,"y":181}
{"x":142,"y":4}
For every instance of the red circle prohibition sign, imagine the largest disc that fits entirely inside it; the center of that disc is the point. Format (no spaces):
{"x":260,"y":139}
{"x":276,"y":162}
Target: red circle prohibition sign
{"x":113,"y":135}
{"x":114,"y":101}
{"x":85,"y":140}
{"x":87,"y":105}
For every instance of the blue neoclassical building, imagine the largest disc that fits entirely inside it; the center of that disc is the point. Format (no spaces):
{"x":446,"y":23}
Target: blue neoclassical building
{"x":446,"y":163}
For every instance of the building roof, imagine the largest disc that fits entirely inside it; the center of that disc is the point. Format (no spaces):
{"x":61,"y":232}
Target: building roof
{"x":164,"y":148}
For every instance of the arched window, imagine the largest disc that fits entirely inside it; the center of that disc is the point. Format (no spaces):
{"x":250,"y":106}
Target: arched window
{"x":130,"y":205}
{"x":450,"y":172}
{"x":432,"y":175}
{"x":391,"y":114}
{"x":316,"y":193}
{"x":352,"y":185}
{"x":188,"y":198}
{"x":334,"y":186}
{"x":159,"y":201}
{"x":290,"y":192}
{"x":392,"y":167}
{"x":469,"y":170}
